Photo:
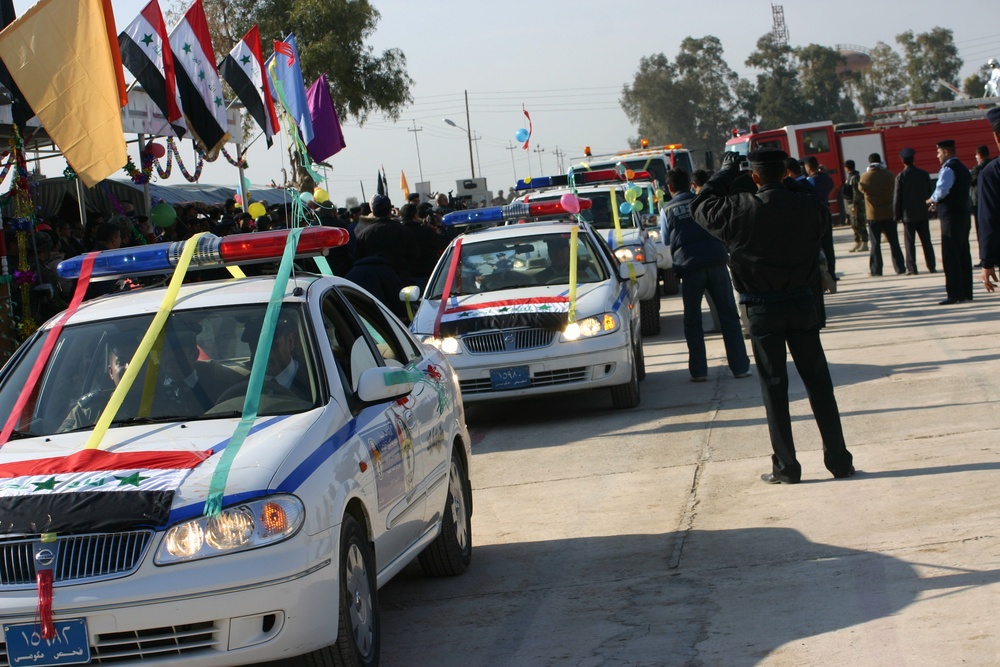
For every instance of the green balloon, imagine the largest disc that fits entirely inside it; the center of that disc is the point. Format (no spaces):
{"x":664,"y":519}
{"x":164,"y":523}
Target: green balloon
{"x":163,"y":215}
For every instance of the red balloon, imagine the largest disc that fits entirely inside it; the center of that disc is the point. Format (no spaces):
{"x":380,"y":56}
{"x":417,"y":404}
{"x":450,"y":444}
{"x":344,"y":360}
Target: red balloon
{"x":156,"y":150}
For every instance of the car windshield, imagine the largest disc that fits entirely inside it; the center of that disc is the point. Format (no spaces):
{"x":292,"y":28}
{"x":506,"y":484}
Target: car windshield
{"x":198,"y":368}
{"x":525,"y":261}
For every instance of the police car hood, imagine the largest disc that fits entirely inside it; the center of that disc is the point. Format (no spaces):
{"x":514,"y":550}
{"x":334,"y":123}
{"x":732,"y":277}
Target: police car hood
{"x":545,"y":307}
{"x":143,"y":476}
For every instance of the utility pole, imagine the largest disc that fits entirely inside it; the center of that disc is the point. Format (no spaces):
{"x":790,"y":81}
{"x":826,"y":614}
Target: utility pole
{"x":540,"y":150}
{"x":416,"y":129}
{"x":476,"y":138}
{"x":511,"y":147}
{"x":468,"y":130}
{"x":559,"y":159}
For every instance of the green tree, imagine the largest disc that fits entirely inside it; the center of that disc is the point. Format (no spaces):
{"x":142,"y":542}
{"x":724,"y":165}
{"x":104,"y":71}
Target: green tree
{"x":930,"y":56}
{"x":779,"y":91}
{"x":823,"y":89}
{"x":653,"y":91}
{"x":883,"y":83}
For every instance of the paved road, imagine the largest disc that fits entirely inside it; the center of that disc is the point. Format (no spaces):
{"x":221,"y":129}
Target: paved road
{"x":645,"y":537}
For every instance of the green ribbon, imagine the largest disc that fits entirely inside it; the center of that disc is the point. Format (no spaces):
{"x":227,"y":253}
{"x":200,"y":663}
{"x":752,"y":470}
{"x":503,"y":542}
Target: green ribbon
{"x":251,"y":403}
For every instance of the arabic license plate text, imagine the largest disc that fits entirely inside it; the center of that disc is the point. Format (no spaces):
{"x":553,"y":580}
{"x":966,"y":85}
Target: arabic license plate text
{"x":25,"y":645}
{"x":510,"y":378}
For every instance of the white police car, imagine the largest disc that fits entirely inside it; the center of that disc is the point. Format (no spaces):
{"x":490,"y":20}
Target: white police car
{"x":502,"y":305}
{"x":635,"y":244}
{"x":222,"y":473}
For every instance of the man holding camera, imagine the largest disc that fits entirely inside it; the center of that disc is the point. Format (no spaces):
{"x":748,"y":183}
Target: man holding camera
{"x":773,"y":238}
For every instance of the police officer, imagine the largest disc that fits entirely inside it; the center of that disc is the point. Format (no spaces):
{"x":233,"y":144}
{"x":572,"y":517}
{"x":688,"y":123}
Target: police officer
{"x":951,"y":201}
{"x":988,"y":214}
{"x":773,"y":238}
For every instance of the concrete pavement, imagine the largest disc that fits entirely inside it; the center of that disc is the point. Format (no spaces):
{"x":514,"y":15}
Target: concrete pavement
{"x":644,"y":537}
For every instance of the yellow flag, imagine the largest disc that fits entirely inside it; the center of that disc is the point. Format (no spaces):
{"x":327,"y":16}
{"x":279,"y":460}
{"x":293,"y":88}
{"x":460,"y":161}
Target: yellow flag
{"x":403,"y":185}
{"x":59,"y":55}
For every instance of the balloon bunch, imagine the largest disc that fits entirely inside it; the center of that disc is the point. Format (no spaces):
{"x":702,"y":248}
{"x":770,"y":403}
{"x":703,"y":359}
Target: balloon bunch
{"x":632,"y":192}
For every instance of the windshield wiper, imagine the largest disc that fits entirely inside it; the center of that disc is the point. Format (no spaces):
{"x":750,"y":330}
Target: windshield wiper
{"x":17,"y":435}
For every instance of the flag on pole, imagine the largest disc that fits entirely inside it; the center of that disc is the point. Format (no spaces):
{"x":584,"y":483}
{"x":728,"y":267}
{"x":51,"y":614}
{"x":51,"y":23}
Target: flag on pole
{"x":61,"y":57}
{"x":198,"y":80}
{"x":243,"y":70}
{"x":288,"y":88}
{"x":328,"y":138}
{"x":383,"y":186}
{"x":403,"y":185}
{"x":145,"y":51}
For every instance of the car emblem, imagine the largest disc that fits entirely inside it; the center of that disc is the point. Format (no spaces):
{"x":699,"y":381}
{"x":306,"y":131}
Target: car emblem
{"x":45,"y":557}
{"x":508,"y":341}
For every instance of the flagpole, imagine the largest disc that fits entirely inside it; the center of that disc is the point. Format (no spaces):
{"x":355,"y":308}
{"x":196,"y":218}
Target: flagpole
{"x":243,"y":186}
{"x":145,"y":186}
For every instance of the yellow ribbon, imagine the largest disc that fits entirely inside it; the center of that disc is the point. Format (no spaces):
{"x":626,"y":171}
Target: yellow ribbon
{"x":573,"y":233}
{"x":619,"y":239}
{"x":236,"y":272}
{"x":145,"y":345}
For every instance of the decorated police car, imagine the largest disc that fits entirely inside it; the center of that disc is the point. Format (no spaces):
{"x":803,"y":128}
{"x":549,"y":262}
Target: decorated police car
{"x":534,"y":308}
{"x":617,"y":220}
{"x":222,"y":473}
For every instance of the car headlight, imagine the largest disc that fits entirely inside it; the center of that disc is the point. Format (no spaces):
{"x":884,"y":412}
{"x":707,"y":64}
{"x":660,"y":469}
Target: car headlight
{"x":589,"y":327}
{"x":238,"y":528}
{"x":448,"y":344}
{"x":654,"y":234}
{"x":630,"y":254}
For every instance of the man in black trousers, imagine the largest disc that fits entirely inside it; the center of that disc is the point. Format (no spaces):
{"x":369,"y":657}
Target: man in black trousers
{"x":951,"y":201}
{"x":773,"y":238}
{"x":913,"y":186}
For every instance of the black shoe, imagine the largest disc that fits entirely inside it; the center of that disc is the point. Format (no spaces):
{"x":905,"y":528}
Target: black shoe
{"x":949,"y":302}
{"x":911,"y":273}
{"x":771,"y":478}
{"x":844,"y":475}
{"x":931,"y":270}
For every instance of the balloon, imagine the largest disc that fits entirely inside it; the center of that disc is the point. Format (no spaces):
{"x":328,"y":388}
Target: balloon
{"x":163,"y":215}
{"x":625,"y":208}
{"x":522,"y":134}
{"x":321,"y":196}
{"x":256,"y":210}
{"x":660,"y":194}
{"x":570,"y":203}
{"x":631,"y":196}
{"x":246,"y":184}
{"x":156,"y":150}
{"x":629,"y":174}
{"x":637,"y":206}
{"x":238,"y":199}
{"x":306,"y":197}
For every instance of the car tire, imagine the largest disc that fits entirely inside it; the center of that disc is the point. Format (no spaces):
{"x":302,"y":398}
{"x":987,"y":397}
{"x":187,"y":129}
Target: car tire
{"x":359,"y":629}
{"x":649,"y":316}
{"x":640,"y":361}
{"x":670,"y":283}
{"x":626,"y":396}
{"x":451,"y":551}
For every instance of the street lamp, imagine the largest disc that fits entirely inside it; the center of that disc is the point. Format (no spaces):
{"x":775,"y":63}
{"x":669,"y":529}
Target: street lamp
{"x":472,"y":166}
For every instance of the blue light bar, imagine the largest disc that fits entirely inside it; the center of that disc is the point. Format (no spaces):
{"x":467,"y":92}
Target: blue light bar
{"x":122,"y":261}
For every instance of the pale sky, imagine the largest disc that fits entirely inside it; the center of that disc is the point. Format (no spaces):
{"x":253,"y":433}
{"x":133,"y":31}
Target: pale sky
{"x":566,"y":62}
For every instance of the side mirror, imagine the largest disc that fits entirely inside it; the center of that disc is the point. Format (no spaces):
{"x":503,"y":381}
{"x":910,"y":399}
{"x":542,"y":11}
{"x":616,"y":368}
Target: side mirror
{"x":384,"y":383}
{"x":410,"y":293}
{"x":623,"y":272}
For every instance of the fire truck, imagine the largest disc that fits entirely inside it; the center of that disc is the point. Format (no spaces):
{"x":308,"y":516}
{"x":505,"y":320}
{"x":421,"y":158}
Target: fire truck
{"x":887,"y":131}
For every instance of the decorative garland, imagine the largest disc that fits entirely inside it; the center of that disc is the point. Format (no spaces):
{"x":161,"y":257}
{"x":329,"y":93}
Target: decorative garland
{"x":238,"y":163}
{"x":69,"y":173}
{"x":23,"y":223}
{"x":165,"y":173}
{"x":140,"y":177}
{"x":172,"y":148}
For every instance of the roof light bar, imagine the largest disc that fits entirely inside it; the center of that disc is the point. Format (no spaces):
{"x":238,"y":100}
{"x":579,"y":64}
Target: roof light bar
{"x":512,"y":211}
{"x":212,"y":251}
{"x":579,"y":177}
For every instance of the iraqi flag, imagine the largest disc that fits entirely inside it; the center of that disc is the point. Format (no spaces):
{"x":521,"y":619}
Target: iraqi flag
{"x":92,"y":490}
{"x":142,"y":46}
{"x":197,"y":79}
{"x":243,"y":70}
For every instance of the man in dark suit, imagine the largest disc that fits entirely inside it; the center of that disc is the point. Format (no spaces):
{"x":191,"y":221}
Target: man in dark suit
{"x":988,"y":215}
{"x":913,"y":186}
{"x":951,"y":201}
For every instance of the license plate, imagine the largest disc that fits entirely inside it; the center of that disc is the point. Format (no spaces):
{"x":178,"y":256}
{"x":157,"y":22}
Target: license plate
{"x":25,"y":645}
{"x":510,"y":378}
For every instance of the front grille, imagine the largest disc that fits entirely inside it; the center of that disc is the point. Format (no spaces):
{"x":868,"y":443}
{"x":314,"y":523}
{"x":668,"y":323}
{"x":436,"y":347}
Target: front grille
{"x":150,"y":644}
{"x":82,"y":558}
{"x":507,"y":340}
{"x":543,"y":379}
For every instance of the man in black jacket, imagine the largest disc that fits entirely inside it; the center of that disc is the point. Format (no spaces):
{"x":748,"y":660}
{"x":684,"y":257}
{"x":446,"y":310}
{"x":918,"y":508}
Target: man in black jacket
{"x":773,"y":238}
{"x":913,"y":187}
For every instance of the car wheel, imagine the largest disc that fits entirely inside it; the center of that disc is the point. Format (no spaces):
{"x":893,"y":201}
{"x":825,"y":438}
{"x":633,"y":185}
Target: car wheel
{"x":359,"y":630}
{"x":451,"y":551}
{"x":626,"y":396}
{"x":640,"y":361}
{"x":670,"y":283}
{"x":649,"y":316}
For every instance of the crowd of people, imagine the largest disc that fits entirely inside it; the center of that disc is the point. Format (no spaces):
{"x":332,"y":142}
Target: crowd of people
{"x":389,"y":247}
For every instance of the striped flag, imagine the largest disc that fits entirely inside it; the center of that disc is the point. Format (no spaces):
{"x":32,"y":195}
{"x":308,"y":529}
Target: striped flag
{"x":243,"y":70}
{"x":288,"y":88}
{"x":198,"y":80}
{"x":145,"y":50}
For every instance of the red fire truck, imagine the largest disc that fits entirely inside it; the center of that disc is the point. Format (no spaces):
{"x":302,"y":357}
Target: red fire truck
{"x":888,"y":130}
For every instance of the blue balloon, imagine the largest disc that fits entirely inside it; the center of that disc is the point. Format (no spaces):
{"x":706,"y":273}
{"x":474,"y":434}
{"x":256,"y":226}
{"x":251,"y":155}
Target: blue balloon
{"x":521,"y":134}
{"x":625,"y":208}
